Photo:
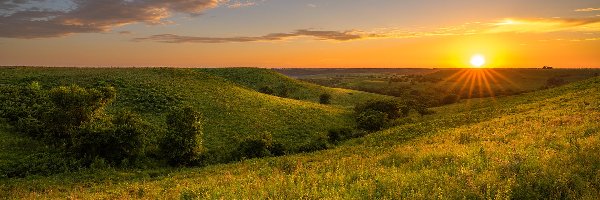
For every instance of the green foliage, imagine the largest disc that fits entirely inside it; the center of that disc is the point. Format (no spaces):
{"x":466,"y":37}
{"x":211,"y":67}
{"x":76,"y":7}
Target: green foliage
{"x":120,"y":140}
{"x":390,"y":107}
{"x":450,"y":99}
{"x":182,"y":144}
{"x":372,"y":120}
{"x":266,"y":90}
{"x":72,"y":107}
{"x":325,"y":99}
{"x":263,"y":146}
{"x":554,"y":82}
{"x":338,"y":135}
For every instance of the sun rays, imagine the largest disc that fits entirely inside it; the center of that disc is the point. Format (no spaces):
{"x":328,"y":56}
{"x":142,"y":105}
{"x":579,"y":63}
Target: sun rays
{"x":478,"y":83}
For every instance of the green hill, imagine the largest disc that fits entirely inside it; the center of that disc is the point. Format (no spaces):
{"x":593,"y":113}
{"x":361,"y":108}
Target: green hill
{"x":255,"y":79}
{"x":231,"y":112}
{"x":542,"y":144}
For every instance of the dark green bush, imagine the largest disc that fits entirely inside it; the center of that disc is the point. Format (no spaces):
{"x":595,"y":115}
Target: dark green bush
{"x":450,"y":99}
{"x":372,"y":120}
{"x":390,"y":107}
{"x":339,"y":134}
{"x":46,"y":163}
{"x":122,"y":140}
{"x":259,"y":147}
{"x":266,"y":90}
{"x":316,"y":144}
{"x":72,"y":107}
{"x":325,"y":99}
{"x":182,"y":143}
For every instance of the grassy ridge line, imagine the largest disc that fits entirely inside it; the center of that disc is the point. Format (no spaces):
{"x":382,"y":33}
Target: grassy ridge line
{"x":542,"y":144}
{"x":232,"y":113}
{"x":255,"y":78}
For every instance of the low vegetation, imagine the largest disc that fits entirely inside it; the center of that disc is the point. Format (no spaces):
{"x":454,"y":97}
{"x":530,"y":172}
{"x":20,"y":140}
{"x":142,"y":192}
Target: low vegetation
{"x":542,"y":144}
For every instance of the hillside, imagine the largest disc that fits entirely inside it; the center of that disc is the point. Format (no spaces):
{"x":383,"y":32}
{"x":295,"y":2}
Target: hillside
{"x":255,"y":78}
{"x":231,"y":112}
{"x":542,"y":144}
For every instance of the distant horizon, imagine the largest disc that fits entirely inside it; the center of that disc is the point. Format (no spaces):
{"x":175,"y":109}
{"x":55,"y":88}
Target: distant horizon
{"x":209,"y":67}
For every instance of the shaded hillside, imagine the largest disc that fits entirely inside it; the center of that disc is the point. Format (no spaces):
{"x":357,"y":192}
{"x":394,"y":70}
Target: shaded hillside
{"x":231,"y":113}
{"x":256,"y":79}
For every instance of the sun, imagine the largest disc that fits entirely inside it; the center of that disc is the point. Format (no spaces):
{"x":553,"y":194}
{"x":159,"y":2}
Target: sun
{"x":478,"y":60}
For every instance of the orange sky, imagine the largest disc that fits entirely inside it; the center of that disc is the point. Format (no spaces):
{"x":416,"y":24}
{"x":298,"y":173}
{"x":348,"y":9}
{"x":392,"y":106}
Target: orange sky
{"x":285,"y":33}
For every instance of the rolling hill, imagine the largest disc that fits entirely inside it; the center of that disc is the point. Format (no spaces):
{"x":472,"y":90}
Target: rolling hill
{"x":232,"y":112}
{"x":543,"y":144}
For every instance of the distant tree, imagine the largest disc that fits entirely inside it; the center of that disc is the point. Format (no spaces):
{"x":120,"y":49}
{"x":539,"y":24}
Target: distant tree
{"x":325,"y":99}
{"x":182,"y":144}
{"x":554,"y":82}
{"x":372,"y":120}
{"x":450,"y":99}
{"x":266,"y":90}
{"x":390,"y":107}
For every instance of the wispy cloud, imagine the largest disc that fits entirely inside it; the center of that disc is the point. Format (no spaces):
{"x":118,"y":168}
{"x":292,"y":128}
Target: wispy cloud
{"x":25,"y":18}
{"x":546,"y":25}
{"x":586,"y":25}
{"x":587,"y":9}
{"x":317,"y":34}
{"x":240,"y":4}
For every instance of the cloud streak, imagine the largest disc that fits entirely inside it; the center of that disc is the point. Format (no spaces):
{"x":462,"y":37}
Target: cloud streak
{"x":319,"y":35}
{"x":505,"y":26}
{"x":587,"y":9}
{"x":24,"y":19}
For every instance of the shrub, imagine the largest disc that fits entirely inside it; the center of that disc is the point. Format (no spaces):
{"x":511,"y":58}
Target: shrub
{"x":72,"y":107}
{"x":554,"y":82}
{"x":450,"y":99}
{"x":325,"y":99}
{"x":340,"y":134}
{"x":118,"y":141}
{"x":182,"y":143}
{"x":390,"y":107}
{"x":259,"y":147}
{"x":266,"y":90}
{"x":372,"y":120}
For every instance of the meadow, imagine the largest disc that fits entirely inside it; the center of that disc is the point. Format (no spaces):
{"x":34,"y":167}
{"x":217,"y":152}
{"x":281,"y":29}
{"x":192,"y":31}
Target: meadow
{"x":538,"y":144}
{"x":439,"y":83}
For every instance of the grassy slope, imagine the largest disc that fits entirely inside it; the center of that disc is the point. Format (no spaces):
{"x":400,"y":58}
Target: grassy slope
{"x":255,"y":78}
{"x":232,"y":113}
{"x":541,"y":143}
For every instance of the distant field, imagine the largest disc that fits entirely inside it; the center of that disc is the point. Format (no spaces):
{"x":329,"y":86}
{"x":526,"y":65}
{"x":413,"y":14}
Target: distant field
{"x":438,"y":83}
{"x":539,"y":145}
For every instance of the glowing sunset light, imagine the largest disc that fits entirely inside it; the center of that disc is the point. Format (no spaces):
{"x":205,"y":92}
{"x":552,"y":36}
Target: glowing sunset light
{"x":478,"y":60}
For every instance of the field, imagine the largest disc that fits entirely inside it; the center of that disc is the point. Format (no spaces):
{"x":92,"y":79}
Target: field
{"x":437,"y":83}
{"x":540,"y":144}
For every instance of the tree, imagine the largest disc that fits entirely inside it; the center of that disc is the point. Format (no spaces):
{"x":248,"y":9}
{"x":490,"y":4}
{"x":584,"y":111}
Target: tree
{"x":266,"y":90}
{"x":325,"y":99}
{"x":182,"y":144}
{"x":389,"y":107}
{"x":450,"y":99}
{"x":372,"y":120}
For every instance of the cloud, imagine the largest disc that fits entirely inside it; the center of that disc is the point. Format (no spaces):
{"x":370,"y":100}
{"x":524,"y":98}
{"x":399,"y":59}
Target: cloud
{"x":319,"y":35}
{"x":240,"y":4}
{"x":24,"y":19}
{"x":587,"y":9}
{"x":586,"y":25}
{"x":546,"y":25}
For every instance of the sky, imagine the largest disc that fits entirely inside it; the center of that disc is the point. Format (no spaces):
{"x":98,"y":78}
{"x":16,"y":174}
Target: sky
{"x":300,"y":33}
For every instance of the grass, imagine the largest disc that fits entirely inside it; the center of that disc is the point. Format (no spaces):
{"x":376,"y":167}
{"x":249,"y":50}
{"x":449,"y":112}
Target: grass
{"x":232,"y":112}
{"x":542,"y":144}
{"x":468,"y":83}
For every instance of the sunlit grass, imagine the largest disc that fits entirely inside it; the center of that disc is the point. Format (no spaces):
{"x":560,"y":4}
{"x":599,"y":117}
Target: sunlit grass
{"x":539,"y":145}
